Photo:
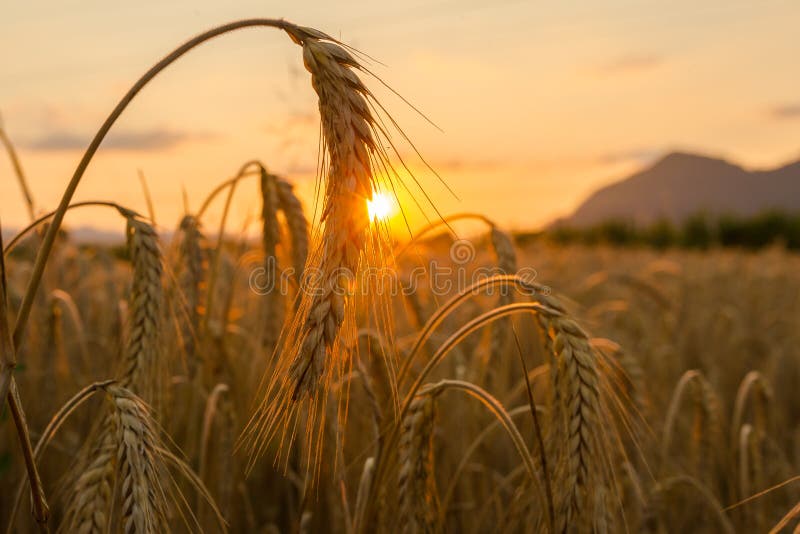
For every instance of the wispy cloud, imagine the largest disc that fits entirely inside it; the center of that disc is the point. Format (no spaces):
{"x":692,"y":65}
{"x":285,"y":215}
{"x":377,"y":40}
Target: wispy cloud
{"x":786,"y":111}
{"x":153,"y":139}
{"x":630,"y":63}
{"x":457,"y":165}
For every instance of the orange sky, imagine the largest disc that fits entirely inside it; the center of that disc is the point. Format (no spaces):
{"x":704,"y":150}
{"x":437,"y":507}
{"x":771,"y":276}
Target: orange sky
{"x":539,"y":103}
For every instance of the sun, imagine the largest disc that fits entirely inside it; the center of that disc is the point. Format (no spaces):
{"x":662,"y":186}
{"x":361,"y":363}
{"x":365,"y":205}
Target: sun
{"x":381,"y":207}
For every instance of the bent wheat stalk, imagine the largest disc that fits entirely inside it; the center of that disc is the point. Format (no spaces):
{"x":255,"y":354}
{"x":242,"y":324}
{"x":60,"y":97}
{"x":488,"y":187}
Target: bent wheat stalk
{"x":8,"y":389}
{"x":443,"y":221}
{"x":526,"y":287}
{"x":473,"y":325}
{"x":49,"y":238}
{"x":25,"y":231}
{"x":47,"y":435}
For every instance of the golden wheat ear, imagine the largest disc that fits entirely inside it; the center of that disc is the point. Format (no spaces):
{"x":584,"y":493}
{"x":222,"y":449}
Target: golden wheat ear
{"x":416,"y":482}
{"x":191,"y":272}
{"x":313,"y":348}
{"x":141,"y":359}
{"x":348,"y":140}
{"x":297,"y":225}
{"x":271,"y":237}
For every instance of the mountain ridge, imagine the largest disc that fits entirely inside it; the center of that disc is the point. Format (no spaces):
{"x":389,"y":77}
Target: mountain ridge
{"x":681,"y":184}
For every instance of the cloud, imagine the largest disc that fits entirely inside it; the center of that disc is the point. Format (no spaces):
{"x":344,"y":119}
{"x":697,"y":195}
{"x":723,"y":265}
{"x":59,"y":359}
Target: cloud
{"x":302,"y":167}
{"x":154,"y":139}
{"x":786,"y":111}
{"x":631,"y":63}
{"x":456,"y":165}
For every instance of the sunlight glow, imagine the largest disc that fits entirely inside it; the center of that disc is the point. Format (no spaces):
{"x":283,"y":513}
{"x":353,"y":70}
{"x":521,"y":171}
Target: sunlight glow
{"x":382,"y":206}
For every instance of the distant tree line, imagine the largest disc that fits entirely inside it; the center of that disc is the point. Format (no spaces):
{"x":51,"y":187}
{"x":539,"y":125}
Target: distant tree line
{"x":700,"y":231}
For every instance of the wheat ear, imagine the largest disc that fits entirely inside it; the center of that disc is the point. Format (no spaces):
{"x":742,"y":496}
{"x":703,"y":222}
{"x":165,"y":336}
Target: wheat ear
{"x":503,"y":246}
{"x":416,"y":482}
{"x":89,"y":507}
{"x":146,"y":301}
{"x":576,"y":382}
{"x":348,"y":142}
{"x":190,"y":282}
{"x":271,"y":236}
{"x":296,"y":223}
{"x":88,"y":510}
{"x":123,"y":449}
{"x":143,"y":499}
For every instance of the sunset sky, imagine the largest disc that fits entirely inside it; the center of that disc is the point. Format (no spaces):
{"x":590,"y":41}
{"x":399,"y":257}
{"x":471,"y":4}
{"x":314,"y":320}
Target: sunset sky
{"x":539,"y":103}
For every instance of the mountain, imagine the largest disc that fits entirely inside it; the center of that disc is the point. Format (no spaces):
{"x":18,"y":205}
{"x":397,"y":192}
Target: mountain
{"x":93,"y":236}
{"x":680,"y":184}
{"x":84,"y":235}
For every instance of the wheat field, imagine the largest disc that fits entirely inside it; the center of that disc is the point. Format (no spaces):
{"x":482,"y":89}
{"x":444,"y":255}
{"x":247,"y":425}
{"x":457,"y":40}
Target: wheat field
{"x":330,"y":376}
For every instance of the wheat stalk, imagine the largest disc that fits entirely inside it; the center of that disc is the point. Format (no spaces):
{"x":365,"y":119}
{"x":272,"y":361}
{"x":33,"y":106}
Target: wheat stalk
{"x":23,"y":183}
{"x":219,"y":415}
{"x":756,"y":386}
{"x":706,"y":497}
{"x":707,"y":430}
{"x":707,"y":421}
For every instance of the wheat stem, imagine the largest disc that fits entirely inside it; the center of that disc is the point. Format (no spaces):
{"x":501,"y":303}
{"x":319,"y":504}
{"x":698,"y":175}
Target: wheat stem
{"x":23,"y":183}
{"x":50,"y":430}
{"x":52,"y":230}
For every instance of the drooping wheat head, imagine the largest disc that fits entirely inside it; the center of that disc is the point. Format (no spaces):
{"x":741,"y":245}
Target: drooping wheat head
{"x":348,"y":140}
{"x":312,"y":344}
